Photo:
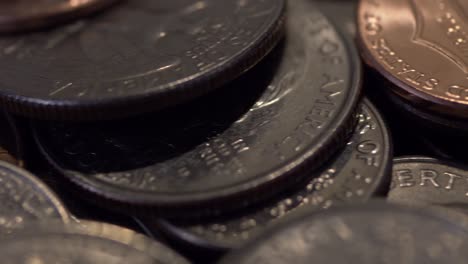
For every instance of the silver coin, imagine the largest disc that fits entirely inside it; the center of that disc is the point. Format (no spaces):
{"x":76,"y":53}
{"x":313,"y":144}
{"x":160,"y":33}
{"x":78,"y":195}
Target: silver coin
{"x":357,"y":173}
{"x":369,"y":234}
{"x":428,"y":181}
{"x":217,"y":155}
{"x":25,"y":199}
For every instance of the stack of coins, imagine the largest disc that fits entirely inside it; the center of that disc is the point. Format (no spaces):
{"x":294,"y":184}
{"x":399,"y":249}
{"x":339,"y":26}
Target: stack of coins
{"x":234,"y":131}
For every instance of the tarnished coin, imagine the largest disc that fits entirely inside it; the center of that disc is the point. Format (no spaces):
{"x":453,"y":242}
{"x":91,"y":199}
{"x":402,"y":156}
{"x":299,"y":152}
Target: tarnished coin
{"x":427,"y":181}
{"x":24,"y":199}
{"x":354,"y":175}
{"x":400,"y":49}
{"x":142,"y":55}
{"x":228,"y":150}
{"x":10,"y":143}
{"x":159,"y":252}
{"x":374,"y":233}
{"x":69,"y":248}
{"x":21,"y":15}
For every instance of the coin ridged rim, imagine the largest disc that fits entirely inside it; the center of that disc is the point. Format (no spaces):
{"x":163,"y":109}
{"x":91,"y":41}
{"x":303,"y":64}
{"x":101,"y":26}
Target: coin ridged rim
{"x":37,"y":184}
{"x":60,"y":13}
{"x":181,"y":235}
{"x":239,"y":195}
{"x":438,"y":103}
{"x":170,"y":94}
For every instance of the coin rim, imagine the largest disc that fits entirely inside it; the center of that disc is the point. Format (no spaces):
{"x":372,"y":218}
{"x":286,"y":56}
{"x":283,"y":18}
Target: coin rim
{"x":182,"y":235}
{"x":59,"y":13}
{"x":238,"y":195}
{"x":168,"y":94}
{"x":442,"y":104}
{"x":37,"y":184}
{"x":456,"y":220}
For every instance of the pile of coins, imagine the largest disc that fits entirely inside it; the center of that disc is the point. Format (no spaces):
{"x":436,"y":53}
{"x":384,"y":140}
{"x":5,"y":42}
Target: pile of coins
{"x":233,"y":131}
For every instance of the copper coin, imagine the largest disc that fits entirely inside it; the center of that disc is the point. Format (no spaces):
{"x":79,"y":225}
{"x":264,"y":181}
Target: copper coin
{"x":422,"y":47}
{"x":21,"y":15}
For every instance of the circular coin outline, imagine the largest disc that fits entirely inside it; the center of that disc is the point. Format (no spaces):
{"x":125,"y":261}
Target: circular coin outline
{"x":444,"y":188}
{"x":306,"y":219}
{"x":370,"y":119}
{"x":42,"y":188}
{"x":39,"y":15}
{"x":148,"y":93}
{"x":371,"y":31}
{"x":322,"y":148}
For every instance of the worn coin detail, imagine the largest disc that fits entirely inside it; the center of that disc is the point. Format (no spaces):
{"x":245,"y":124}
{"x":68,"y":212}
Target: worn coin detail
{"x":294,"y":111}
{"x":354,"y":175}
{"x":400,"y":49}
{"x":142,"y":55}
{"x":24,"y":199}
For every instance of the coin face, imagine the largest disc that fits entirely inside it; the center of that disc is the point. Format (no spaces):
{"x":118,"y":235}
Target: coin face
{"x":22,"y":15}
{"x":141,"y":55}
{"x":294,"y":111}
{"x":25,"y":199}
{"x":400,"y":47}
{"x":427,"y":181}
{"x":374,"y":233}
{"x":355,"y":174}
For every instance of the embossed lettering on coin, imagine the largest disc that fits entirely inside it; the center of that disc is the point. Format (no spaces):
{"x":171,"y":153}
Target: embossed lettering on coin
{"x":424,"y":52}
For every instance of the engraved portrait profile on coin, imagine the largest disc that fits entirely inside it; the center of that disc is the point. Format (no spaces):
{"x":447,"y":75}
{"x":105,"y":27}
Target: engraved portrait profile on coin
{"x":422,"y":47}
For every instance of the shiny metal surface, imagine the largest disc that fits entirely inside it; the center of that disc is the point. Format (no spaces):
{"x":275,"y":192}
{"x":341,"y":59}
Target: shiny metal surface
{"x":141,"y":55}
{"x":366,"y":234}
{"x":249,"y":141}
{"x":421,"y":46}
{"x":355,"y":174}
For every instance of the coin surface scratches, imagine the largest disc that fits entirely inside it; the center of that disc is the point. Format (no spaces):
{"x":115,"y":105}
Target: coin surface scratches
{"x":296,"y":109}
{"x":141,"y":55}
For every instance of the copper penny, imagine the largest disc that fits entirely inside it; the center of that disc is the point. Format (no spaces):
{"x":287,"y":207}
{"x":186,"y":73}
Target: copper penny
{"x":422,"y":47}
{"x":21,"y":15}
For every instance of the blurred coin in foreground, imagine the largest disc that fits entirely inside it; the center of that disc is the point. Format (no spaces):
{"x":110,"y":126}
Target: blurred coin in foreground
{"x":369,"y":234}
{"x":24,"y":15}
